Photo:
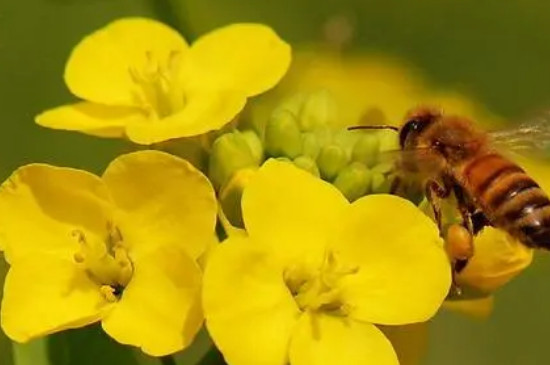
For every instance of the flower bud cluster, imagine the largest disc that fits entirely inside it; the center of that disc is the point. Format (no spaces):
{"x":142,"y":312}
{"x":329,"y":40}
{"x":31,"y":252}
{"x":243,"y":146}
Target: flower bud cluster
{"x":303,"y":130}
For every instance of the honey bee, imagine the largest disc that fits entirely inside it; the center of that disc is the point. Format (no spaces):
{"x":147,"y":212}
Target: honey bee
{"x":454,"y":157}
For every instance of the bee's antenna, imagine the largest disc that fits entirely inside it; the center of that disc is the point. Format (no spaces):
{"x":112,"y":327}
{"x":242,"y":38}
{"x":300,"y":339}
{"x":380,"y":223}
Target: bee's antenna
{"x":373,"y":127}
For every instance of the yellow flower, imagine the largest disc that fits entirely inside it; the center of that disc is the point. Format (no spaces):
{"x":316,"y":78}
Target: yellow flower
{"x":498,"y":258}
{"x":121,"y":249}
{"x":315,"y":273}
{"x":140,"y":79}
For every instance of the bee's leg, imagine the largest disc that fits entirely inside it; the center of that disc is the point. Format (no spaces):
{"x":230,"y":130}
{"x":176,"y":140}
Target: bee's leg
{"x":473,"y":220}
{"x":435,"y":192}
{"x":396,"y":185}
{"x":479,"y":221}
{"x":464,"y":207}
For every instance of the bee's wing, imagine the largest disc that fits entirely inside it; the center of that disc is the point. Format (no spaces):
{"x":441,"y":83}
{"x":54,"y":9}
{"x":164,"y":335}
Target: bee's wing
{"x":531,"y":137}
{"x":418,"y":162}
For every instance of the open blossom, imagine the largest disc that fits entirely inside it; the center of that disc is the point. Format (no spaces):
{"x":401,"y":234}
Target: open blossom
{"x":141,"y":80}
{"x":314,"y":273}
{"x":120,"y":249}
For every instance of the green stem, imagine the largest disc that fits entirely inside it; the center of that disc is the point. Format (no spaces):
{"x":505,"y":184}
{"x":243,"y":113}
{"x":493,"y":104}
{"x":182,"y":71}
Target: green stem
{"x":168,"y":360}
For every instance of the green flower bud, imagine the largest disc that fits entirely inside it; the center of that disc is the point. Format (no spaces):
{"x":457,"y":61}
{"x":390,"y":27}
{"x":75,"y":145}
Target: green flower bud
{"x":318,"y":109}
{"x":310,"y":145}
{"x":389,"y":140}
{"x":366,"y":149}
{"x":353,"y":181}
{"x":346,"y":139}
{"x":292,"y":104}
{"x":255,"y":144}
{"x":331,"y":160}
{"x":231,"y":193}
{"x":284,"y":159}
{"x":323,"y":134}
{"x":384,"y":167}
{"x":230,"y":152}
{"x":308,"y":164}
{"x":380,"y":184}
{"x":282,"y":135}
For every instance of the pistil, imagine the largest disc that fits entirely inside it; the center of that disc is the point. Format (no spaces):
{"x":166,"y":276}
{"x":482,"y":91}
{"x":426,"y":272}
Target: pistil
{"x":320,"y":290}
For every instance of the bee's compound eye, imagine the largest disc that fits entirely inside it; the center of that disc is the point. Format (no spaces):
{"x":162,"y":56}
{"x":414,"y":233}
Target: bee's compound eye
{"x":412,"y":125}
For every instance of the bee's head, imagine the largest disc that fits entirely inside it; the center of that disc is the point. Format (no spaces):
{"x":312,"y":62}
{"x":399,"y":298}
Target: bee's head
{"x":416,"y":121}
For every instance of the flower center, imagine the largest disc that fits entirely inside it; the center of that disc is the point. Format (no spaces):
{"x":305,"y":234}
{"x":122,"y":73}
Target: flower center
{"x":319,"y":290}
{"x":106,"y":262}
{"x":157,"y":88}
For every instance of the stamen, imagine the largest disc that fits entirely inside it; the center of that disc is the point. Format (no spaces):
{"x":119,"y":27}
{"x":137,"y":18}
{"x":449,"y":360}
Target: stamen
{"x":79,"y":257}
{"x":159,"y":93}
{"x":109,"y":293}
{"x":79,"y":235}
{"x":106,"y":260}
{"x":320,"y":291}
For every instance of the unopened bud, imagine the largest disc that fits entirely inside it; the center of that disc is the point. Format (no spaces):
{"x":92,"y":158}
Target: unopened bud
{"x":323,"y":133}
{"x":310,"y":145}
{"x":231,"y":194}
{"x":230,"y":153}
{"x":255,"y":144}
{"x":384,"y":167}
{"x":282,"y":135}
{"x":308,"y":164}
{"x":388,"y":139}
{"x":331,"y":160}
{"x":353,"y":181}
{"x":366,"y":149}
{"x":292,"y":104}
{"x":380,"y":184}
{"x":319,"y":108}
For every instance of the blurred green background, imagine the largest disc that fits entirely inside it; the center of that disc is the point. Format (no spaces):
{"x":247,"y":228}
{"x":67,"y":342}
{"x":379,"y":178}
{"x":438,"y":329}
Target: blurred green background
{"x":497,"y":53}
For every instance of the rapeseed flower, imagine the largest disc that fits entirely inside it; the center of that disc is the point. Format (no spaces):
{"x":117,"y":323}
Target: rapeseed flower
{"x":120,"y":249}
{"x":140,"y":79}
{"x":314,"y":273}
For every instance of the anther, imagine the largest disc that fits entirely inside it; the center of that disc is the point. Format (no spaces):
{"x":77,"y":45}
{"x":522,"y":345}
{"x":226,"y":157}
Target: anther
{"x":79,"y":257}
{"x":79,"y":235}
{"x":108,"y":293}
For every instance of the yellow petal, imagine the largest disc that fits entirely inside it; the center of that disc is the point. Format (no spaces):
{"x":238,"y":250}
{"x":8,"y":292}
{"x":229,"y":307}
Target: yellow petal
{"x":320,"y":339}
{"x":498,"y":258}
{"x":95,"y":119}
{"x":403,"y":272}
{"x":480,"y":308}
{"x":45,"y":294}
{"x":410,"y":342}
{"x":249,"y":311}
{"x":41,"y":207}
{"x":247,"y":57}
{"x":162,"y":201}
{"x":160,"y":308}
{"x":205,"y":110}
{"x":100,"y":67}
{"x":291,"y":210}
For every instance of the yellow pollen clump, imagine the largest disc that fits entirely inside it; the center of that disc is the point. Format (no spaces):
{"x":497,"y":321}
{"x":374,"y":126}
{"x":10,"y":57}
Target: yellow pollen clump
{"x":158,"y":93}
{"x":108,"y":292}
{"x":106,"y":262}
{"x":319,"y":290}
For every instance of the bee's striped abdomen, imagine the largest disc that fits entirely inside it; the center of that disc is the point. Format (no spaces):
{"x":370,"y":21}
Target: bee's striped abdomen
{"x":510,"y":198}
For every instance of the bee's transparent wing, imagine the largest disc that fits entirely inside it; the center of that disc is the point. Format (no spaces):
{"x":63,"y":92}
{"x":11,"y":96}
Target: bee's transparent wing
{"x":530,"y":137}
{"x":419,"y":162}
